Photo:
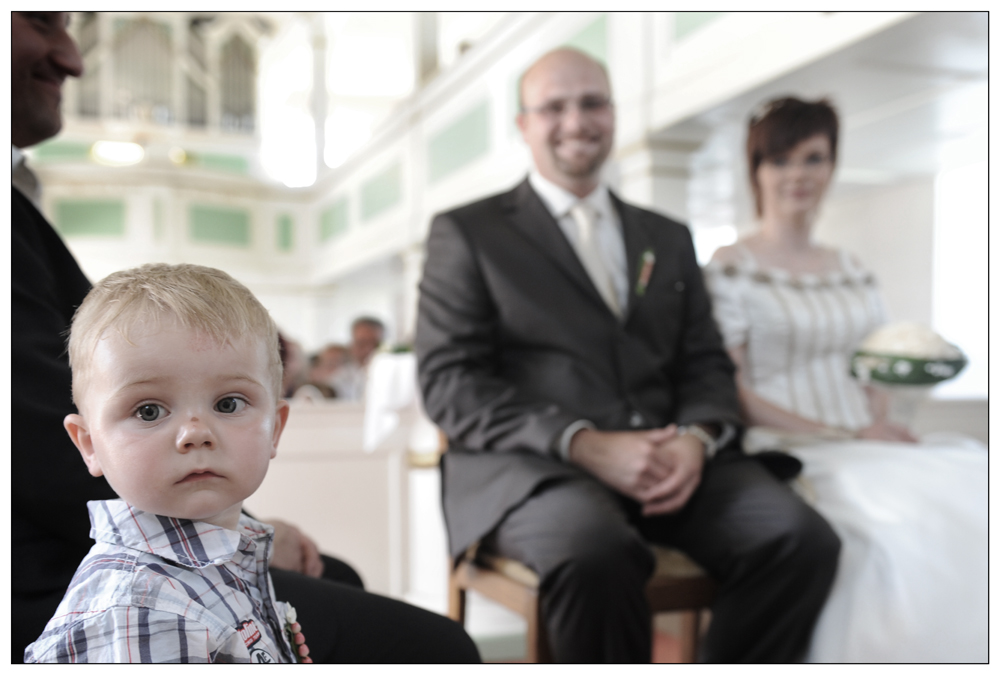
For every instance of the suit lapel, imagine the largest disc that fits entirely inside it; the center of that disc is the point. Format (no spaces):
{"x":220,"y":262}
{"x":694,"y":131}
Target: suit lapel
{"x":637,"y":242}
{"x":532,"y":219}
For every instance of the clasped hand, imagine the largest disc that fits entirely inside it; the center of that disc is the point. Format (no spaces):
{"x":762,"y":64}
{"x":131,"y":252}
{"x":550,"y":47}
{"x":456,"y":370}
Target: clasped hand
{"x":294,"y":550}
{"x":656,"y":467}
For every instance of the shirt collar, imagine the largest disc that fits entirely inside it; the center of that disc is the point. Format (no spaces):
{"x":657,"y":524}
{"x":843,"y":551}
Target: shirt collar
{"x":16,"y":157}
{"x":191,"y":543}
{"x":559,"y":200}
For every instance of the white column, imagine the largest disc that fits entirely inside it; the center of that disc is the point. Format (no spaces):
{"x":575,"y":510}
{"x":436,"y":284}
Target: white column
{"x":655,"y":174}
{"x":425,"y":45}
{"x":106,"y":84}
{"x":179,"y":39}
{"x":213,"y":97}
{"x":413,"y":269}
{"x":319,"y":93}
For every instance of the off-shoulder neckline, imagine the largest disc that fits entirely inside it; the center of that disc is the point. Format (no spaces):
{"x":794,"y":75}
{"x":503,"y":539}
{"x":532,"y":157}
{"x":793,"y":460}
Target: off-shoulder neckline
{"x":750,"y":267}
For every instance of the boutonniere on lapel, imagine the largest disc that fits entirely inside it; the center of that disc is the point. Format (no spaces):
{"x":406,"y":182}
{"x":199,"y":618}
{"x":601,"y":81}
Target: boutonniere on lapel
{"x":647,"y":261}
{"x":295,"y":636}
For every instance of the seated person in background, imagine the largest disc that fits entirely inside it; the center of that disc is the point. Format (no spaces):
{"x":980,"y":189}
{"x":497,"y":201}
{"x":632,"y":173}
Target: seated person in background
{"x":912,"y":583}
{"x":293,"y":364}
{"x":323,"y":367}
{"x":177,"y":377}
{"x":367,"y":334}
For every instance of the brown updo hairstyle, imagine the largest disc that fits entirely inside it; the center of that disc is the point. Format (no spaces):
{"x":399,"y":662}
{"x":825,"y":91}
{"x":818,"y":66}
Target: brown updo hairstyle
{"x":783,"y":123}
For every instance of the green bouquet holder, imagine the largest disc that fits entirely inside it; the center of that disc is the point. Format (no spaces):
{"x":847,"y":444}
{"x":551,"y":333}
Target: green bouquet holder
{"x":903,"y":370}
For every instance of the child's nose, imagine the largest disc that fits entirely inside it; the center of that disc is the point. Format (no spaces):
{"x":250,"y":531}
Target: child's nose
{"x":195,"y":434}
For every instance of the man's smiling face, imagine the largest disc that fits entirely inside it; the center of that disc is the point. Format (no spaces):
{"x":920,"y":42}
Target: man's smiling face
{"x":567,"y":119}
{"x":42,"y":55}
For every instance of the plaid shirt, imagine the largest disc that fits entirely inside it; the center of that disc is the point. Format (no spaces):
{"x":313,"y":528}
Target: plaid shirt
{"x":164,"y":590}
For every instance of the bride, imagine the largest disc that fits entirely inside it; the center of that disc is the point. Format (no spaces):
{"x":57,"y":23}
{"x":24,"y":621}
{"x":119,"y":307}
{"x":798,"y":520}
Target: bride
{"x":912,"y":583}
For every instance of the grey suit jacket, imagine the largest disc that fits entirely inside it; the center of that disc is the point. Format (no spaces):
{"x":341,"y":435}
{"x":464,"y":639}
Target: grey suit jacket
{"x":514,"y":343}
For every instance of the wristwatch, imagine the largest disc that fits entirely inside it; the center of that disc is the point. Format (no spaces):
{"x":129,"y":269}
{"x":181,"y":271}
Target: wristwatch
{"x":710,"y":443}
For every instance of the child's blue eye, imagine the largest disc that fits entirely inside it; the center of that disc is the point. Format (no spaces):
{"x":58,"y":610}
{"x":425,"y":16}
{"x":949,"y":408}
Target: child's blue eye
{"x":149,"y":412}
{"x":230,"y":405}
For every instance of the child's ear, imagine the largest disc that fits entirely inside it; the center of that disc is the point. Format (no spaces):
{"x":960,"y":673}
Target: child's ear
{"x":280,"y":418}
{"x":76,"y":427}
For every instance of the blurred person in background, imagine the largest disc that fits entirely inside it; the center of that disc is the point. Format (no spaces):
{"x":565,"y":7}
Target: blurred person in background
{"x":367,"y":334}
{"x":294,"y":364}
{"x":319,"y":375}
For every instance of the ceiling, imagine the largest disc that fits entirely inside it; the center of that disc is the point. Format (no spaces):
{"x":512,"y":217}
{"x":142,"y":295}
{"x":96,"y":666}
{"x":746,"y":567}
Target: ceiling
{"x":913,"y":100}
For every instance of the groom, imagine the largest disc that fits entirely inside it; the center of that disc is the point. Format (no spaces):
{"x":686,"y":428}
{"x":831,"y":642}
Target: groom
{"x":567,"y":349}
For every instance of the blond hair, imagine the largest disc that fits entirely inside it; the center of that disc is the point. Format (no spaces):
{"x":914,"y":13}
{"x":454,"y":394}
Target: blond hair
{"x":204,"y":299}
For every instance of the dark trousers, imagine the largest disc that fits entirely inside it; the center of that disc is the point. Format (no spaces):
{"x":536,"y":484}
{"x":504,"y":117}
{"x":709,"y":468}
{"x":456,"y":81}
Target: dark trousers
{"x":773,"y":556}
{"x":342,"y":623}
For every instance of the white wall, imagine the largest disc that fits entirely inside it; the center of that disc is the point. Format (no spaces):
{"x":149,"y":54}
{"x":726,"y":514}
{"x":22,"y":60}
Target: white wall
{"x":891,"y":231}
{"x":961,"y":274}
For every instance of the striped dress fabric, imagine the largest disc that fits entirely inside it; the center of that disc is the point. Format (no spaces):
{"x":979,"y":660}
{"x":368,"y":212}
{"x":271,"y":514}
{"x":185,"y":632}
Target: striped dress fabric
{"x":799,"y":333}
{"x":166,"y":590}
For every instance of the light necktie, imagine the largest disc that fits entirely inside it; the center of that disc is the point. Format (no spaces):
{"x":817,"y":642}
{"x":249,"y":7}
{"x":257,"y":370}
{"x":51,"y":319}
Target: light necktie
{"x":589,"y":253}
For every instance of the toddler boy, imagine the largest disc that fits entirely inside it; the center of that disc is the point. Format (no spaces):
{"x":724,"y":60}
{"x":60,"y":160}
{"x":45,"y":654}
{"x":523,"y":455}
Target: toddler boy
{"x":176,"y":377}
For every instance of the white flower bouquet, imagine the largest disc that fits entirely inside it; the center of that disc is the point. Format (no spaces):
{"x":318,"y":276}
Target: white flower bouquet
{"x":906,"y":353}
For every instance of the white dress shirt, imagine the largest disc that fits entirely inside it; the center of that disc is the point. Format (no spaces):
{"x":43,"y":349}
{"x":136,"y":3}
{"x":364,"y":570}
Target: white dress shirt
{"x":22,"y":177}
{"x":611,"y":244}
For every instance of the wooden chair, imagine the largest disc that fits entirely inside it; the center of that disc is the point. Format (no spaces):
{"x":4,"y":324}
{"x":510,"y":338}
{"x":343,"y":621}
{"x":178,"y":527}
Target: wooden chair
{"x":677,"y":585}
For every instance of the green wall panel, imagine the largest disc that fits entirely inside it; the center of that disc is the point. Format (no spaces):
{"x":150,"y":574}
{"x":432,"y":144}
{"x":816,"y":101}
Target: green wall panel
{"x":219,"y":225}
{"x":382,"y":191}
{"x":333,"y":221}
{"x":465,"y":140}
{"x":686,"y":23}
{"x":90,"y":217}
{"x":61,"y":151}
{"x":230,"y":163}
{"x":593,"y":39}
{"x":286,"y":233}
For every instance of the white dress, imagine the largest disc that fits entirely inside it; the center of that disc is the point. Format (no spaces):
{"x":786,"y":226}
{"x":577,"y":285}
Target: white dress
{"x":912,"y":583}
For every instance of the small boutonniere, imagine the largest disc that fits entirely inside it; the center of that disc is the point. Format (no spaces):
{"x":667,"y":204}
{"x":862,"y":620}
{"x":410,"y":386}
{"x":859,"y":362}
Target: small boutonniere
{"x":648,"y":260}
{"x":296,"y":637}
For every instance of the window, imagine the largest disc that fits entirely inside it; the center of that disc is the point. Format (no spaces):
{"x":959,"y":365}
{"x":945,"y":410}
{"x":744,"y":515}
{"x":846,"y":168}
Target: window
{"x":961,"y":274}
{"x":143,"y":71}
{"x":238,"y":85}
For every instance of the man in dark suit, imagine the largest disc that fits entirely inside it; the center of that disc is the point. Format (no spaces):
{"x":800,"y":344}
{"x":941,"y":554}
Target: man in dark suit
{"x":566,"y":347}
{"x":50,"y":485}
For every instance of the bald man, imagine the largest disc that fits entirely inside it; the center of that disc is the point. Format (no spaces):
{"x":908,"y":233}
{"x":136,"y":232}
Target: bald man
{"x":566,"y":347}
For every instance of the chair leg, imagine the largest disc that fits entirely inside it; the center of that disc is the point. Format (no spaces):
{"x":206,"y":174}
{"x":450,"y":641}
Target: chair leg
{"x":456,"y":599}
{"x":531,"y":639}
{"x":690,"y":634}
{"x":537,"y":639}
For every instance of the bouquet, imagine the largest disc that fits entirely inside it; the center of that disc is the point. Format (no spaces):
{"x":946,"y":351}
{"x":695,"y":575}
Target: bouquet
{"x":906,"y":353}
